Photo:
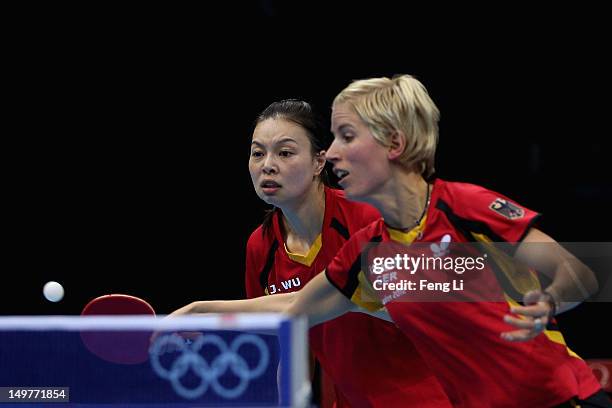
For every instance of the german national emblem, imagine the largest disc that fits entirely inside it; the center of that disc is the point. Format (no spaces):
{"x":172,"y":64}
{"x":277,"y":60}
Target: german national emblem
{"x":507,"y":209}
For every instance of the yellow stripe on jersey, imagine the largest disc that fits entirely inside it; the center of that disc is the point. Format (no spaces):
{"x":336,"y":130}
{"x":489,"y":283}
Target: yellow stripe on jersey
{"x":556,"y":337}
{"x":309,"y":258}
{"x":365,"y":296}
{"x":523,"y":280}
{"x":519,"y":276}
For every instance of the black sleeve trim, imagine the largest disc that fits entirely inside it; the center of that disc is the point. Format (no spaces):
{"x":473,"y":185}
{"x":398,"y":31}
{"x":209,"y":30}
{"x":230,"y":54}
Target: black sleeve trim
{"x":334,"y":285}
{"x":353,"y":281}
{"x":533,"y":222}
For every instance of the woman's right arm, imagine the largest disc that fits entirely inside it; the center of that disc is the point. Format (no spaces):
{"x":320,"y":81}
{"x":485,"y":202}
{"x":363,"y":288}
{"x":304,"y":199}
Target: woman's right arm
{"x":262,"y":304}
{"x":319,"y":301}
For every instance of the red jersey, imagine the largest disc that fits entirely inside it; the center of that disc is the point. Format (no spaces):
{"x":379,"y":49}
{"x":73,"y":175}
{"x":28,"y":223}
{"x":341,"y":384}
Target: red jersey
{"x":461,"y":341}
{"x":369,"y":360}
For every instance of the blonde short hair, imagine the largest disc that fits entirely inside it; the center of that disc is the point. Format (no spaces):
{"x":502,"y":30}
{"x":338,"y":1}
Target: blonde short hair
{"x":401,"y":104}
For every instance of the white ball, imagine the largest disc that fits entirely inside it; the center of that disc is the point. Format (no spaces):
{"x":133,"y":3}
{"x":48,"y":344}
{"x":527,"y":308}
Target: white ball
{"x":53,"y":291}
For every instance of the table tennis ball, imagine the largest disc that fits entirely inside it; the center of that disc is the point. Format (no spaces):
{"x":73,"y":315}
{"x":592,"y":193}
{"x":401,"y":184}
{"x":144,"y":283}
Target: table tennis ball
{"x":53,"y":291}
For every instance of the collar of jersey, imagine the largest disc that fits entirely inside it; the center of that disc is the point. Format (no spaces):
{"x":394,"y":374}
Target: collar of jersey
{"x":409,"y":236}
{"x":313,"y":251}
{"x":309,"y":258}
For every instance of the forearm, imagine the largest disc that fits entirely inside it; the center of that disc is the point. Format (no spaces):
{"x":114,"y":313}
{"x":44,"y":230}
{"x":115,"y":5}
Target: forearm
{"x":573,"y":282}
{"x":263,"y":304}
{"x":319,"y":301}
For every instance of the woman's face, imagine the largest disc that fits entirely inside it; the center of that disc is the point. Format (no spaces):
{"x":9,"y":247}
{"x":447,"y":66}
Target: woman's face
{"x":360,"y":162}
{"x":282,"y":165}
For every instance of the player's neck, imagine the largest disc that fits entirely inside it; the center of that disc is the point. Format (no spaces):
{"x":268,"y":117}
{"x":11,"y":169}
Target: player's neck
{"x":406,"y":203}
{"x":303,"y":221}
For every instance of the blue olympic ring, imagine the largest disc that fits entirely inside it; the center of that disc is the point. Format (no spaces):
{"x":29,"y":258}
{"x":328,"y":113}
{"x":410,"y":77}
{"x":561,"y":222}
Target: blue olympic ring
{"x":209,"y":373}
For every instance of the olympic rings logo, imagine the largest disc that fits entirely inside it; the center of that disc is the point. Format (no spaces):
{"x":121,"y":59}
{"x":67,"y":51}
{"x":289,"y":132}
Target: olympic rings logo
{"x":228,"y":358}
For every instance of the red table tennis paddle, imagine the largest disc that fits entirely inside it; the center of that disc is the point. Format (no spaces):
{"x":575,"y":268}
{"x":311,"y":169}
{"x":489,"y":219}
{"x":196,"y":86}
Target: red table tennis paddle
{"x":120,"y":347}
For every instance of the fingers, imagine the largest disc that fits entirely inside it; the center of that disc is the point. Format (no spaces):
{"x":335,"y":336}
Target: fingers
{"x":167,"y":343}
{"x":531,"y":297}
{"x":539,"y":309}
{"x":543,"y":300}
{"x":537,"y":324}
{"x":178,"y":342}
{"x":531,"y":319}
{"x":529,"y":328}
{"x":190,"y":335}
{"x":519,"y":335}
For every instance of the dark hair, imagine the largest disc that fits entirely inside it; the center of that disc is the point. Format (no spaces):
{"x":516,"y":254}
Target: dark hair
{"x":302,"y":114}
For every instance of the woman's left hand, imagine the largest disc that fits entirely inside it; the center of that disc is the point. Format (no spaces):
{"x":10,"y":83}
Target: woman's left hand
{"x":532,"y":318}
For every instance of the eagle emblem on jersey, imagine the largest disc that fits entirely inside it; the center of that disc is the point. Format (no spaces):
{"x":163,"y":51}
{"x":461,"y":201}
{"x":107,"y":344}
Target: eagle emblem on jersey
{"x":507,"y":209}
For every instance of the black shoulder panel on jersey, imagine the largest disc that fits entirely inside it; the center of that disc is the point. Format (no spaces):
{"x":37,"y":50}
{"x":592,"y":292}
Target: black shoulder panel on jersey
{"x":342,"y":230}
{"x":265,"y":272}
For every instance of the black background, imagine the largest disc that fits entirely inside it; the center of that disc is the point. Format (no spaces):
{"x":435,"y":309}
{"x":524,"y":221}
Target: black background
{"x":129,"y":138}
